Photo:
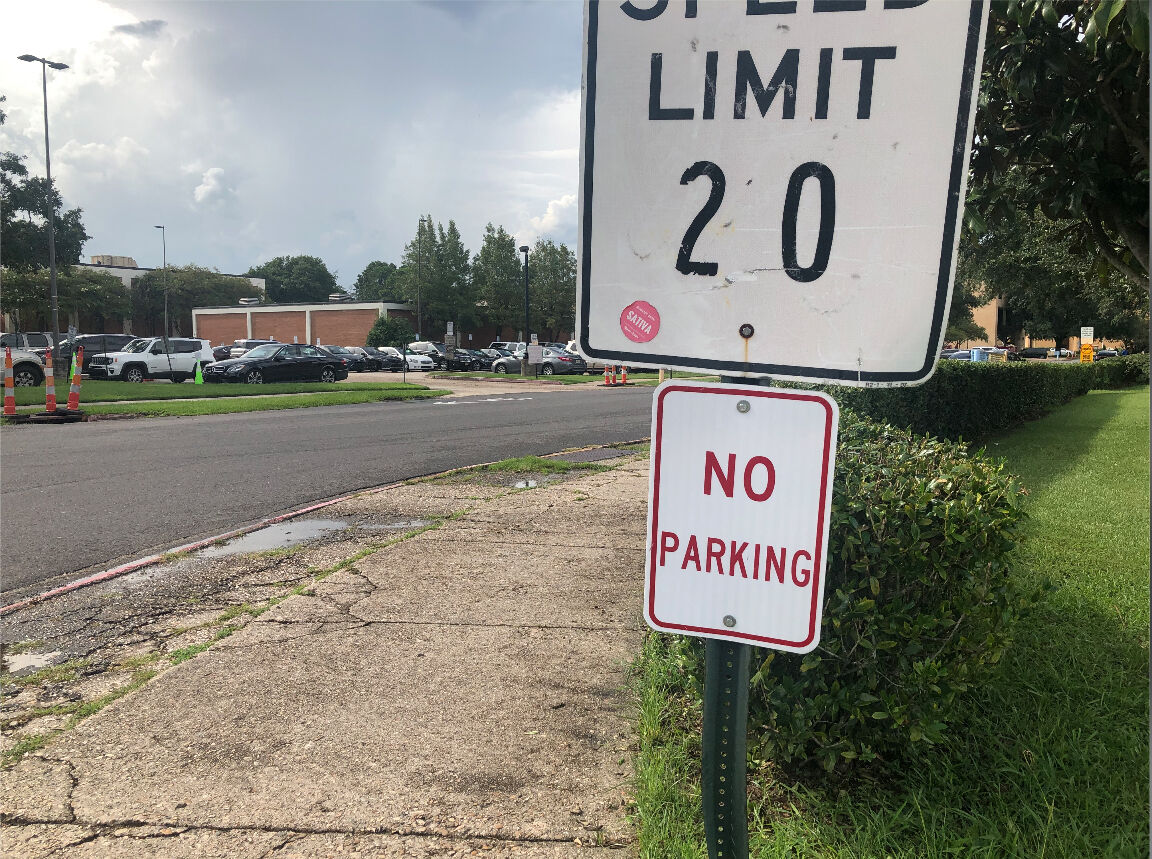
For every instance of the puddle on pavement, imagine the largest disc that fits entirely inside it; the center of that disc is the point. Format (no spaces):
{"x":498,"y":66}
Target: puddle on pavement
{"x":524,"y":484}
{"x":277,"y":536}
{"x":402,"y":525}
{"x":19,"y":661}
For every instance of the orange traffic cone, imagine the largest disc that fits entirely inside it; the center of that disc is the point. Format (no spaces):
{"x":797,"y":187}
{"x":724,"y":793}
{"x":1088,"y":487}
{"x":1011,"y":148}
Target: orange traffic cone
{"x":606,"y":382}
{"x":49,"y":384}
{"x":74,"y":389}
{"x":9,"y":385}
{"x":613,"y":374}
{"x":623,"y":375}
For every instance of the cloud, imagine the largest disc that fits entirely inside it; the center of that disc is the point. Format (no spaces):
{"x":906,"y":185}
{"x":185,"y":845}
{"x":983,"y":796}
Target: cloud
{"x":213,"y":189}
{"x":559,"y":221}
{"x":145,"y":29}
{"x":245,"y":127}
{"x":98,"y":162}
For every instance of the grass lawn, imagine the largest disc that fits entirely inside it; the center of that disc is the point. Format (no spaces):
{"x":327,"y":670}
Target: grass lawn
{"x":99,"y":391}
{"x":1050,"y":759}
{"x":184,"y":408}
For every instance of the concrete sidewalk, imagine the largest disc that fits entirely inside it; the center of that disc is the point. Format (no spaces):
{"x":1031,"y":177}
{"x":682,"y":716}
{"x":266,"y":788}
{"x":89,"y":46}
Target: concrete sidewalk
{"x":459,"y":692}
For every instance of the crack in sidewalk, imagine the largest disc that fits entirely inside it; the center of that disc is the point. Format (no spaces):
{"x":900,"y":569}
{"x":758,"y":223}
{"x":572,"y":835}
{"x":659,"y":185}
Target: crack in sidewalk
{"x":110,"y":827}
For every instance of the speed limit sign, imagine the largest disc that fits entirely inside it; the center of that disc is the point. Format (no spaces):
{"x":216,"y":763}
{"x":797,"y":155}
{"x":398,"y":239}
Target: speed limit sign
{"x":774,"y":188}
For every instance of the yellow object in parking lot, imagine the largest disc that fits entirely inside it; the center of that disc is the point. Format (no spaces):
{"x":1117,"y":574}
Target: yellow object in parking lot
{"x":1086,"y":353}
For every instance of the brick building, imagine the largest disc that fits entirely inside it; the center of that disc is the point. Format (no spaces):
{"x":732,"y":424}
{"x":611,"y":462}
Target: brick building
{"x":344,"y":323}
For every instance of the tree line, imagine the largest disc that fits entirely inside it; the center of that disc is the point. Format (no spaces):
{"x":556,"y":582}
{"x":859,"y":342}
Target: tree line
{"x":444,"y":282}
{"x":439,"y":278}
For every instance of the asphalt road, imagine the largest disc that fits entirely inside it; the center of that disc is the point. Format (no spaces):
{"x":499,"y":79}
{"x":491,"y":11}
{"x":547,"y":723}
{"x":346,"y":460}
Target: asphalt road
{"x":84,"y":497}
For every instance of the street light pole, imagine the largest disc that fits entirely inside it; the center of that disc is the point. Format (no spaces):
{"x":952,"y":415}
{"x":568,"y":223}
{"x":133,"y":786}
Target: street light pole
{"x":527,"y":337}
{"x":164,"y":248}
{"x":50,"y":205}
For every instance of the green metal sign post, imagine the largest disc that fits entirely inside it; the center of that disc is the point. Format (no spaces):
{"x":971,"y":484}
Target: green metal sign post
{"x":724,"y":747}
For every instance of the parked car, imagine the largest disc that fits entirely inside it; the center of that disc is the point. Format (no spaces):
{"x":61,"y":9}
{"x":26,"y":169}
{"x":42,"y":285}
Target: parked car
{"x":1105,"y":353}
{"x":239,"y":347}
{"x":438,"y":352}
{"x":1063,"y":353}
{"x":1033,"y":352}
{"x":371,"y":362}
{"x":94,"y":344}
{"x":957,"y":355}
{"x":354,"y":362}
{"x":593,"y":365}
{"x":27,"y":369}
{"x":416,"y":361}
{"x":37,"y":342}
{"x":386,"y":358}
{"x":460,"y":359}
{"x":487,"y":356}
{"x":561,"y":361}
{"x":556,"y":361}
{"x":174,"y":358}
{"x":279,"y":362}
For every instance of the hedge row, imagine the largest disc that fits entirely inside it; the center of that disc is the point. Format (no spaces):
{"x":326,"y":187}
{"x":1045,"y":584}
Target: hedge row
{"x":1122,"y":372}
{"x":966,"y":400}
{"x":919,"y":603}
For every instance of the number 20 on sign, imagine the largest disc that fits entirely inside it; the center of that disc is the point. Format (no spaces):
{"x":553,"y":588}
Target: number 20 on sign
{"x":790,"y":168}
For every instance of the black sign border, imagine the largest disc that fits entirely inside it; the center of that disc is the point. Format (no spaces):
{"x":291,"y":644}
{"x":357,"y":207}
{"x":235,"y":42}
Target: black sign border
{"x":952,"y":211}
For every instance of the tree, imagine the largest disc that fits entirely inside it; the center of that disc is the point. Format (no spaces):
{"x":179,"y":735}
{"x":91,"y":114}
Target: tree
{"x":1049,"y":290}
{"x":1064,"y":110}
{"x":436,"y":276}
{"x":498,"y":277}
{"x":80,"y":292}
{"x":552,"y":275}
{"x":419,"y":267}
{"x":298,"y":278}
{"x":23,"y":226}
{"x":187,"y":286}
{"x":452,"y":298}
{"x":378,"y":282}
{"x":390,"y":331}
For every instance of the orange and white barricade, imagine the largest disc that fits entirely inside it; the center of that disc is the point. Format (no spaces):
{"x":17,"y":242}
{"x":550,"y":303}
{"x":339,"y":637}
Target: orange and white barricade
{"x":9,"y":385}
{"x":49,"y":384}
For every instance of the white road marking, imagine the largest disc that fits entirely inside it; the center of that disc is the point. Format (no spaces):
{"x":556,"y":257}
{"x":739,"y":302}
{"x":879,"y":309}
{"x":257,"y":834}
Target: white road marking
{"x":478,"y":402}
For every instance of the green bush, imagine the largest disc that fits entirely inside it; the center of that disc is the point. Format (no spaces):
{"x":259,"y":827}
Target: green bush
{"x":918,"y":603}
{"x":965,"y":400}
{"x":390,"y":331}
{"x":1122,"y":371}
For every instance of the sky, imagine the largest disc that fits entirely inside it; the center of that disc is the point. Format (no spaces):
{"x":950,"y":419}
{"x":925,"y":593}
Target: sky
{"x":253,"y":130}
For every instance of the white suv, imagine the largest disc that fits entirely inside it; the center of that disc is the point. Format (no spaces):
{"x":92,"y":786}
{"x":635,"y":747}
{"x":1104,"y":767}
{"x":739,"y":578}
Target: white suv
{"x":153,"y":358}
{"x":27,"y":369}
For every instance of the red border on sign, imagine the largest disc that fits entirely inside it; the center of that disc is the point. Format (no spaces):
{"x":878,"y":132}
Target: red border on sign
{"x":818,"y":561}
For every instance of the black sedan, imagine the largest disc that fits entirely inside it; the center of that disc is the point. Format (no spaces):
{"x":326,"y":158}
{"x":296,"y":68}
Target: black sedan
{"x":279,"y":362}
{"x":355,"y":363}
{"x":386,"y":360}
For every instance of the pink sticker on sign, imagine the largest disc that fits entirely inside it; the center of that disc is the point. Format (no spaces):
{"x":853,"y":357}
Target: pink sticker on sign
{"x":640,"y":321}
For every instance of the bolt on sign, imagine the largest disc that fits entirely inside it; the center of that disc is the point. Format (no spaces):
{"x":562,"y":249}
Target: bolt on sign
{"x":739,"y":494}
{"x":774,"y":188}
